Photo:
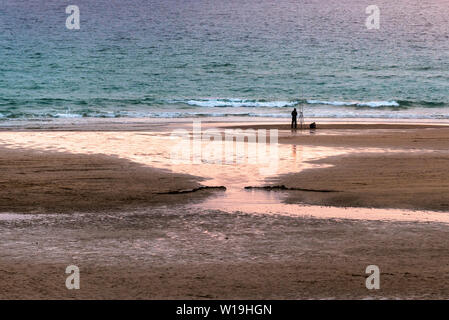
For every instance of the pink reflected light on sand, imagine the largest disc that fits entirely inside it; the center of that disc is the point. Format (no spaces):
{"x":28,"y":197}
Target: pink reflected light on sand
{"x":154,"y":149}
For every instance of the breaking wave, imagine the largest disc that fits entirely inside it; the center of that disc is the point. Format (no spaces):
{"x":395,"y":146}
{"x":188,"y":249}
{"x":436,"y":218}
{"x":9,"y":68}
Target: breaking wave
{"x":371,"y":104}
{"x":236,"y":103}
{"x":216,"y":103}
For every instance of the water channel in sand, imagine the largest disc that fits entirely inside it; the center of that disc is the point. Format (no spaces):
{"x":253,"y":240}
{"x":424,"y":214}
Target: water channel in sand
{"x":248,"y":167}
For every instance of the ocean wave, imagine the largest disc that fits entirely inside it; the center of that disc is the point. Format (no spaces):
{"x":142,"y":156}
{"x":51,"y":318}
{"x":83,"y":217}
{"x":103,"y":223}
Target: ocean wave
{"x":425,"y":104}
{"x":67,"y":115}
{"x":216,"y":103}
{"x":204,"y":114}
{"x":371,"y":104}
{"x":174,"y":114}
{"x":58,"y":105}
{"x":147,"y":107}
{"x":210,"y":103}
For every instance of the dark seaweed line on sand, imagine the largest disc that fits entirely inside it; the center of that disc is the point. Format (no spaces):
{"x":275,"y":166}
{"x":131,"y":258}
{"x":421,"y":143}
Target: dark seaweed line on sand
{"x":220,"y":188}
{"x":282,"y":187}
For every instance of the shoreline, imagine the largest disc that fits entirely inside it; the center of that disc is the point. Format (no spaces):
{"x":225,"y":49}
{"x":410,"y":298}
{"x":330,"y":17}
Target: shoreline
{"x":152,"y":124}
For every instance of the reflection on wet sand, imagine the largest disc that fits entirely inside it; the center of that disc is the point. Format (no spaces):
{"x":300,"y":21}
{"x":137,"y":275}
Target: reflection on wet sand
{"x":238,"y":244}
{"x":156,"y":149}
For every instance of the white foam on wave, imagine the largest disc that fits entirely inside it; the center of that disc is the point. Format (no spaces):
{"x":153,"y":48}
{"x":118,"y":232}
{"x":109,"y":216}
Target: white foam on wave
{"x":376,"y":104}
{"x":332,"y":103}
{"x":371,"y":104}
{"x":210,"y":103}
{"x":68,"y":115}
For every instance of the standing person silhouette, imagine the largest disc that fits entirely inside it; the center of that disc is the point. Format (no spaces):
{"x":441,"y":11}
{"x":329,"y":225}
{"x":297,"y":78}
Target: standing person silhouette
{"x":294,"y":115}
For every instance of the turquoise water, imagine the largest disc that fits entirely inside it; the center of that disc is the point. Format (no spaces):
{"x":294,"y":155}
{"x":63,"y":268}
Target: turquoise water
{"x":184,"y":58}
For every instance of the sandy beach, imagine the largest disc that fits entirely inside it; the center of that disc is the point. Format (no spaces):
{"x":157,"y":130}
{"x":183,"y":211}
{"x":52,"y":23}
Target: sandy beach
{"x":414,"y":177}
{"x":139,"y":228}
{"x":64,"y":183}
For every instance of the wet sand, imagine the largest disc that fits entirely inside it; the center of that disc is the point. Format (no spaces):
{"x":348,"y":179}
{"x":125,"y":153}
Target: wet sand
{"x":58,"y":182}
{"x":180,"y":253}
{"x":403,"y":180}
{"x":132,"y":243}
{"x":414,"y":177}
{"x":364,"y":135}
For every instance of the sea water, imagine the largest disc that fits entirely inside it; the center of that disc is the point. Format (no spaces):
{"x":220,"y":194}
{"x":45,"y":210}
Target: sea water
{"x":214,"y":58}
